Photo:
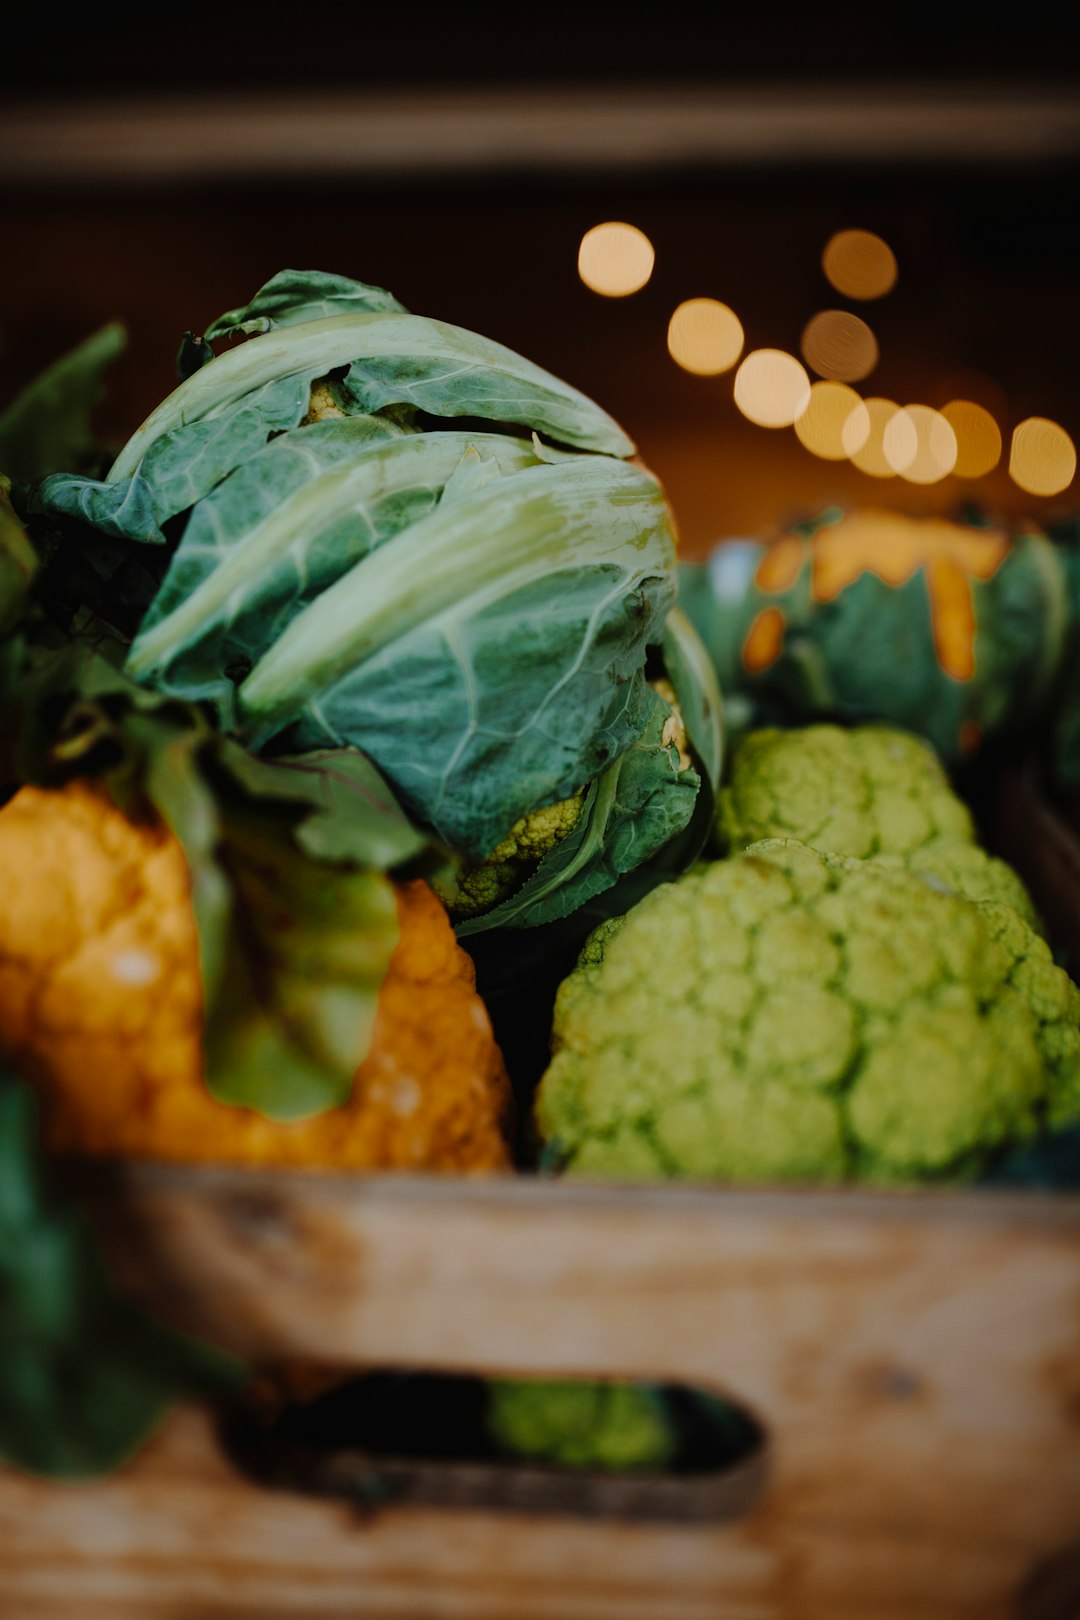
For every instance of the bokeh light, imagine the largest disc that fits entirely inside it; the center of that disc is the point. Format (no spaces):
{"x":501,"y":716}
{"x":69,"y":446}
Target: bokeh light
{"x":869,"y":455}
{"x":900,"y":441}
{"x":1043,"y":457}
{"x":615,"y":259}
{"x":835,"y":423}
{"x":978,"y":437}
{"x":705,"y":336}
{"x":859,"y":264}
{"x":919,"y":444}
{"x":839,"y":346}
{"x":772,"y":388}
{"x":975,"y":386}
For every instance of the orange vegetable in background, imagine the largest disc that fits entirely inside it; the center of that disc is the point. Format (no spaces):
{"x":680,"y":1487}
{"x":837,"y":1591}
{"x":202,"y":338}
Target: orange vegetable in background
{"x":959,"y":632}
{"x":101,"y":1007}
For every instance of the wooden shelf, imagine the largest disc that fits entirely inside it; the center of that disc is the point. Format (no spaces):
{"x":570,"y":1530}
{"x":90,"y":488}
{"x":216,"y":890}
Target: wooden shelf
{"x":621,"y":129}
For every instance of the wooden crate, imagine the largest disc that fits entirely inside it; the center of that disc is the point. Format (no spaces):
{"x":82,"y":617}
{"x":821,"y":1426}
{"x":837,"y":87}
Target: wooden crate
{"x":914,"y":1359}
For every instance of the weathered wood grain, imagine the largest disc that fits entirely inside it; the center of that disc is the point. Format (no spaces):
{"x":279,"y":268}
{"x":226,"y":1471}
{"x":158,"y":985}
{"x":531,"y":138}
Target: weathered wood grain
{"x":914,"y":1358}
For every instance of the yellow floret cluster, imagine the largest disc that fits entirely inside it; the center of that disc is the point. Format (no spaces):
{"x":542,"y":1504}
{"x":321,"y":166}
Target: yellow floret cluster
{"x":101,"y":1005}
{"x":480,"y":888}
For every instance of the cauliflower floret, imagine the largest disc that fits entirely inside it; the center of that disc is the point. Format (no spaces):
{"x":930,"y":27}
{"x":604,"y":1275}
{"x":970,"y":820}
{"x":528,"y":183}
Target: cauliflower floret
{"x":580,"y":1424}
{"x":865,"y":791}
{"x":870,"y":792}
{"x":325,"y":404}
{"x":967,"y":870}
{"x":818,"y":1018}
{"x":479,"y":888}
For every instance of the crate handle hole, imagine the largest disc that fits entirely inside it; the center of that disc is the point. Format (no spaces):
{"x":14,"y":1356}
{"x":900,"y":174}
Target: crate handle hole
{"x":390,"y":1436}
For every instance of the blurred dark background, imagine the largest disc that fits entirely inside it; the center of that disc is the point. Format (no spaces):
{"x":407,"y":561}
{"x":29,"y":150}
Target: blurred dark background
{"x":161,"y":173}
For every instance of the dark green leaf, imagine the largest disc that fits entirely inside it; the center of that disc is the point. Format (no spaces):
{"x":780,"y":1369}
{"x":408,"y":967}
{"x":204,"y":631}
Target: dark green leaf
{"x":268,"y":540}
{"x":181,"y":466}
{"x":125,"y":510}
{"x":173,"y":781}
{"x":47,"y":430}
{"x":302,"y":295}
{"x":18,"y":564}
{"x":353,"y":816}
{"x":84,"y":1376}
{"x":293,"y":950}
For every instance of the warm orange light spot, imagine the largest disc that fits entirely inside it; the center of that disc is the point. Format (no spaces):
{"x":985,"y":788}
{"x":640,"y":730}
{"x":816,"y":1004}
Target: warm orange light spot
{"x":859,"y":264}
{"x":971,"y":737}
{"x":863,"y":438}
{"x":615,"y":259}
{"x":978,"y":437}
{"x":764,"y":641}
{"x":839,"y":346}
{"x":779,"y":567}
{"x":771,"y":388}
{"x":705,"y":337}
{"x":1043,"y":457}
{"x":894,"y":547}
{"x":919,"y":444}
{"x":975,"y":386}
{"x":834,"y":419}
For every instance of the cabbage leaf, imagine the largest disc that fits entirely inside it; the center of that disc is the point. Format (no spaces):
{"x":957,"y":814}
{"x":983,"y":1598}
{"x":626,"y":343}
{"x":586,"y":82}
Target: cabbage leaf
{"x":286,"y":525}
{"x":402,"y":359}
{"x":293,"y":296}
{"x":228,"y":409}
{"x":486,"y":657}
{"x":634,"y":809}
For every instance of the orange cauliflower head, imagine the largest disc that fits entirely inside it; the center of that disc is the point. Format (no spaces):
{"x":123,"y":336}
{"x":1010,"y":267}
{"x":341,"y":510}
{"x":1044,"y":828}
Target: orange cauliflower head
{"x":101,"y":1006}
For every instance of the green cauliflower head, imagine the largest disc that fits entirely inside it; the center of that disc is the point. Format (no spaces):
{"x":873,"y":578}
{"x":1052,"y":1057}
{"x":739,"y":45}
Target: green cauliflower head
{"x":581,"y":1423}
{"x":870,"y":792}
{"x":789,"y":1015}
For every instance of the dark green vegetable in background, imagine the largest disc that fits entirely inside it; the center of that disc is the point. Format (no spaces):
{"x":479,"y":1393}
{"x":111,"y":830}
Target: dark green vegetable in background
{"x":48,"y":427}
{"x":84,"y":1376}
{"x":958,"y":632}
